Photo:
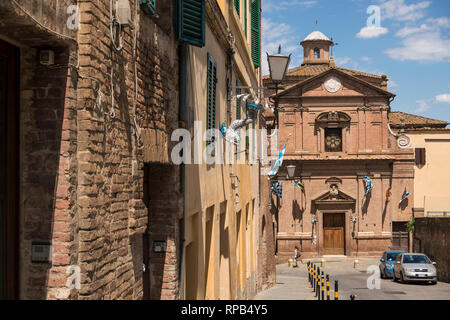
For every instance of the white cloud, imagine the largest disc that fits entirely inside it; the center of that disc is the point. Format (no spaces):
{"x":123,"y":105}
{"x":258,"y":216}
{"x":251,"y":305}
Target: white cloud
{"x":341,"y":61}
{"x":400,"y":11}
{"x":406,"y":31}
{"x":275,"y":5}
{"x":423,"y":106}
{"x":366,"y":59}
{"x":371,"y":32}
{"x":428,"y":47}
{"x":443,"y":98}
{"x":275,"y":34}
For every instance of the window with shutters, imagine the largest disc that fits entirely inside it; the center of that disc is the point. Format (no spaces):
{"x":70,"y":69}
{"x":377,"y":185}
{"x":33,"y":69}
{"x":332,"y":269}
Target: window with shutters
{"x":237,"y":6}
{"x":255,"y":32}
{"x":190,"y":21}
{"x":149,"y":6}
{"x":211,"y":84}
{"x":420,"y":156}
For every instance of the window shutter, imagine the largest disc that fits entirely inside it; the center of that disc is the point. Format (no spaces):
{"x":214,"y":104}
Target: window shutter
{"x":211,"y":96}
{"x":237,"y":6}
{"x":420,"y":156}
{"x":245,"y":17}
{"x":190,"y":21}
{"x":255,"y":34}
{"x":238,"y":102}
{"x":149,"y":6}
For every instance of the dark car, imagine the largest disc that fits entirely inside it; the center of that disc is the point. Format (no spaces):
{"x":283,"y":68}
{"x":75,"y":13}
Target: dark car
{"x":387,"y":263}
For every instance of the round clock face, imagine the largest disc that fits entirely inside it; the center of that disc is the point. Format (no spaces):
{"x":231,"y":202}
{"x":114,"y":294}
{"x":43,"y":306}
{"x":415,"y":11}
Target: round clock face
{"x":332,"y":84}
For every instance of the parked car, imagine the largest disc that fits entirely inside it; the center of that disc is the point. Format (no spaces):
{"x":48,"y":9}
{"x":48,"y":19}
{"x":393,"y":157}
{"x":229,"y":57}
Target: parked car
{"x":387,"y":263}
{"x":414,"y":267}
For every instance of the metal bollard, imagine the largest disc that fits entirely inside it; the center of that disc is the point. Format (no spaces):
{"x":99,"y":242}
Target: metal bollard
{"x":336,"y":290}
{"x":323,"y":287}
{"x":318,"y":283}
{"x":355,"y":263}
{"x":328,"y":287}
{"x":322,"y":262}
{"x":314,"y":279}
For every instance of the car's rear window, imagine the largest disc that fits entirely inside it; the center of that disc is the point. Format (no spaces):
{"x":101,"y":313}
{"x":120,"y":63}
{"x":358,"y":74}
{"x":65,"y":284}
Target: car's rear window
{"x":392,"y":256}
{"x":411,"y":258}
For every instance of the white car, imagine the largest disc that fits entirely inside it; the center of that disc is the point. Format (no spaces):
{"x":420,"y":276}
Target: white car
{"x":414,"y":267}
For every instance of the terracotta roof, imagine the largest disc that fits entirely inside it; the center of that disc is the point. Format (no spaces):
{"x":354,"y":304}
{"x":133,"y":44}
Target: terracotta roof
{"x":310,"y":70}
{"x":405,"y":120}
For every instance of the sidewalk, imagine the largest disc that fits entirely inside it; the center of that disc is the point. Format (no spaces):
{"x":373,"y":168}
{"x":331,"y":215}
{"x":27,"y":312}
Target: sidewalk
{"x":292,"y":284}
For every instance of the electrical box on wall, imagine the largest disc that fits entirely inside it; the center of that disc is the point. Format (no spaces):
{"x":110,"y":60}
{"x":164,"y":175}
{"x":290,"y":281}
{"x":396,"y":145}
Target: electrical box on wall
{"x":47,"y":57}
{"x":41,"y":252}
{"x":123,"y":12}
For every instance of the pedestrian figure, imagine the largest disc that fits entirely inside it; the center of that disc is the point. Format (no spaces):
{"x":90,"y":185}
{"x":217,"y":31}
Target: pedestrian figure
{"x":296,"y":256}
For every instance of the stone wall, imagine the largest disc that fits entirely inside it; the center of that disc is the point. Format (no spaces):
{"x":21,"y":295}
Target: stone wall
{"x":431,"y":237}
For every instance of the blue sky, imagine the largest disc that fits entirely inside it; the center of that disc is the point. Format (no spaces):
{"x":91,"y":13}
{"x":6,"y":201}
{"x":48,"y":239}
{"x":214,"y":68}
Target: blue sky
{"x":411,"y":44}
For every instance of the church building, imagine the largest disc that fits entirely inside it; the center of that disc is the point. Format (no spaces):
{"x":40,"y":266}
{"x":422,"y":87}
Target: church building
{"x":351,"y":192}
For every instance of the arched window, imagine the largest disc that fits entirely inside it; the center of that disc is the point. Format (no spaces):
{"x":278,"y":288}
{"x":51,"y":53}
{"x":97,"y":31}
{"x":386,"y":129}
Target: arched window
{"x":316,"y":53}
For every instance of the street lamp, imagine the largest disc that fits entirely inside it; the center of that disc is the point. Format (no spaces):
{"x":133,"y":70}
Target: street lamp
{"x":291,"y":171}
{"x":278,"y":65}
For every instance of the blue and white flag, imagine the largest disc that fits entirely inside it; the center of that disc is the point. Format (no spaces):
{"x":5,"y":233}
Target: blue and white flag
{"x":277,"y":189}
{"x":279,"y":161}
{"x":404,"y":195}
{"x":368,"y":185}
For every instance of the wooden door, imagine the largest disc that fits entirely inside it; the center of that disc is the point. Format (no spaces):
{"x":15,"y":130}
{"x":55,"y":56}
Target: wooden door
{"x":333,"y":233}
{"x":400,"y":236}
{"x":9,"y":159}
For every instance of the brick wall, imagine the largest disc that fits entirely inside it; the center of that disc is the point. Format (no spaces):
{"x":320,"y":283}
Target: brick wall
{"x":431,"y":237}
{"x":78,"y":187}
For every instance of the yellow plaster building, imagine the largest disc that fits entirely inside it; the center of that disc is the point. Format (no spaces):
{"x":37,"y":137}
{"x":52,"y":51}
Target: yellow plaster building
{"x":222,"y":200}
{"x":431,"y":140}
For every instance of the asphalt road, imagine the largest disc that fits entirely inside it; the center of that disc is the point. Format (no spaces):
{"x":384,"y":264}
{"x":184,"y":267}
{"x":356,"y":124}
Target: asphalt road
{"x":293,"y":284}
{"x":355,"y":281}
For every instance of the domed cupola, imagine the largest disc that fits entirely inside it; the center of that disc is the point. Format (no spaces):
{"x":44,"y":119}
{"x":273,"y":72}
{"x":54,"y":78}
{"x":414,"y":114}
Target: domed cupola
{"x":316,"y":48}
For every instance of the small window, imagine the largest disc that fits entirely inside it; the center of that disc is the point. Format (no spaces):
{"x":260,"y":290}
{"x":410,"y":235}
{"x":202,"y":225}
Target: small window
{"x":420,"y":156}
{"x":316,"y":53}
{"x":333,"y":140}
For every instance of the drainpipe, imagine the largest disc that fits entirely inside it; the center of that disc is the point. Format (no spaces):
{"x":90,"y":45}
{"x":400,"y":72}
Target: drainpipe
{"x":183,"y":119}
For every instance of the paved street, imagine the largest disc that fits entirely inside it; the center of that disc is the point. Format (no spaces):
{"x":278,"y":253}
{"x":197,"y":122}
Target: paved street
{"x":292,"y":284}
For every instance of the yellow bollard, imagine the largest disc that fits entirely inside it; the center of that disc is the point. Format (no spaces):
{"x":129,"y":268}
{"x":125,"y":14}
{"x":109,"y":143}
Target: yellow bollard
{"x":322,"y":262}
{"x":356,"y":262}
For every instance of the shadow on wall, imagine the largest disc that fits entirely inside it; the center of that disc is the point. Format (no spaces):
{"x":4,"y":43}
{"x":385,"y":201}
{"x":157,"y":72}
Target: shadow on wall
{"x":41,"y":153}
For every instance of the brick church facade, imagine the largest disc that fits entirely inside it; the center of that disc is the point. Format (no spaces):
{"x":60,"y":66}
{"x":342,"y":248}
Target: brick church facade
{"x":337,"y":121}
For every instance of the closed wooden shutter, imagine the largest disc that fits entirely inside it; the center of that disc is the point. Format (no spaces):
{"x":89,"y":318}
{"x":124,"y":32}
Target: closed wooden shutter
{"x":255,"y":34}
{"x":238,"y":102}
{"x":245,"y":17}
{"x":190,"y":21}
{"x":420,"y":156}
{"x":211,"y":95}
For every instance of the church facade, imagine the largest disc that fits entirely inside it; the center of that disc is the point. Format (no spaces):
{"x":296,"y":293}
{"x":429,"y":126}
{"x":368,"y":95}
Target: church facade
{"x":356,"y":172}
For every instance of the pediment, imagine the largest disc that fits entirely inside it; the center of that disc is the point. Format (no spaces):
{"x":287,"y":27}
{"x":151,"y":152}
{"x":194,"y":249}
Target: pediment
{"x":332,"y":83}
{"x":336,"y":196}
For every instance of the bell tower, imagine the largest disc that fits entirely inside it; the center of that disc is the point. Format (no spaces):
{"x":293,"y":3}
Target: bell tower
{"x":316,"y":48}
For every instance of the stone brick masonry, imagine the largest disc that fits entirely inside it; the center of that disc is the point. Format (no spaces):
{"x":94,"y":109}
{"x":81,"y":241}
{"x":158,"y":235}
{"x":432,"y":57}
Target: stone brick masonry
{"x":78,"y":187}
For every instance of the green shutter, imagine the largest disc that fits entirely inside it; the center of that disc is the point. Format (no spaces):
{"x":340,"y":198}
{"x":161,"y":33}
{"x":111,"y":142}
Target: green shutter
{"x":237,"y":6}
{"x":245,"y":17}
{"x":190,"y":21}
{"x":238,"y":102}
{"x":255,"y":34}
{"x":211,"y":79}
{"x":149,"y":6}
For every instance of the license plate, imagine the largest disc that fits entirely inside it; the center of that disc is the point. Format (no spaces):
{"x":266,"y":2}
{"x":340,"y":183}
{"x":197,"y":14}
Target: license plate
{"x":420,"y":275}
